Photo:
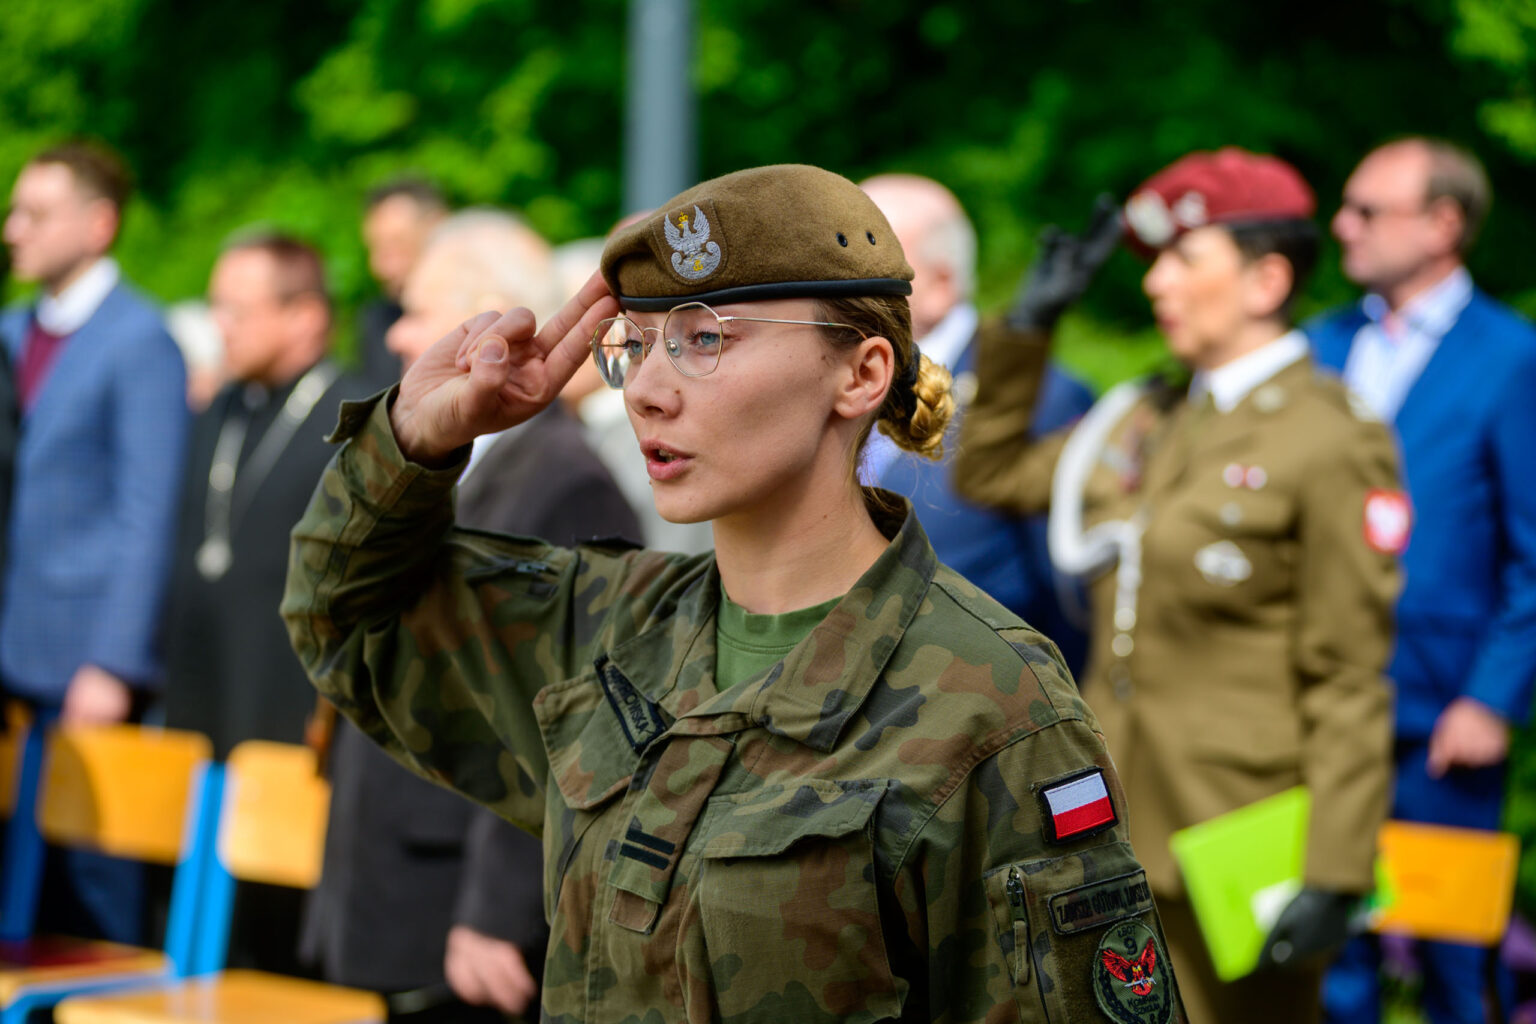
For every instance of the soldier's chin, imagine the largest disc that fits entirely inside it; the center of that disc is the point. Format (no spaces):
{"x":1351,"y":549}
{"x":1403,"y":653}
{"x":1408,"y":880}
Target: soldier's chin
{"x":676,"y":509}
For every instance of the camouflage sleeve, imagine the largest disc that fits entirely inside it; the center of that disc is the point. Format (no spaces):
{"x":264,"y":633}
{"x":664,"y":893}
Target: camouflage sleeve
{"x":1350,"y":531}
{"x":1029,"y":899}
{"x":434,"y":640}
{"x":999,"y":462}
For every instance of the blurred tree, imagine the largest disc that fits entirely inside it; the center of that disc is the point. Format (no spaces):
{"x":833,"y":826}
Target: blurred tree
{"x":1502,"y":33}
{"x":286,"y":111}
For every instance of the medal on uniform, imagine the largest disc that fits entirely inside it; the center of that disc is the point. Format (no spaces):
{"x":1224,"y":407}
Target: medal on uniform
{"x":214,"y":556}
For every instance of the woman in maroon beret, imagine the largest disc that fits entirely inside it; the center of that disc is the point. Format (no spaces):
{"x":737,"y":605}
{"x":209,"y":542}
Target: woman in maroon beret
{"x":811,"y":776}
{"x":1240,"y":537}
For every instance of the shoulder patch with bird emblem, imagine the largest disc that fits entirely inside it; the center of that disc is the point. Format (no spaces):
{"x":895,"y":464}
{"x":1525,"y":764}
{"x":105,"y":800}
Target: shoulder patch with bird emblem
{"x":1131,"y":980}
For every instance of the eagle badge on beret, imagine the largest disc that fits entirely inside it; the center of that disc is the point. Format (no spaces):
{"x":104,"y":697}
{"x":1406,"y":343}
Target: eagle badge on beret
{"x":1149,"y":219}
{"x":694,"y":256}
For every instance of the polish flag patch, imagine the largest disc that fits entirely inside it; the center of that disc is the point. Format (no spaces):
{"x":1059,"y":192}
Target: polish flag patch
{"x":1388,"y":521}
{"x":1078,"y":806}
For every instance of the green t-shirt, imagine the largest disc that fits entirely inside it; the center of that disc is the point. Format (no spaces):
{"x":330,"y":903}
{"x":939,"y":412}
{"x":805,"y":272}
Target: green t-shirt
{"x":746,"y":644}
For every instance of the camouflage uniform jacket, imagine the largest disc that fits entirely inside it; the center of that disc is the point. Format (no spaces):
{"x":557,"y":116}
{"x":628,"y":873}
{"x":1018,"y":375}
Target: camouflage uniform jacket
{"x":860,"y":833}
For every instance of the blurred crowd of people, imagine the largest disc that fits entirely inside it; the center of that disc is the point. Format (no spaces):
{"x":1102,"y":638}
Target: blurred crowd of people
{"x":1310,"y":559}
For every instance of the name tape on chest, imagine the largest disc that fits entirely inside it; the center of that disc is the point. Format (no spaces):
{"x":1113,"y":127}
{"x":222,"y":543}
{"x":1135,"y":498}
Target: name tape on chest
{"x":1388,"y":521}
{"x":1078,"y":806}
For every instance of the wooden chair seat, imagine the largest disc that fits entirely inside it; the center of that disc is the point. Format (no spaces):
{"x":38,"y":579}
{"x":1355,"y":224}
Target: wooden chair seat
{"x":229,"y":997}
{"x":50,"y":960}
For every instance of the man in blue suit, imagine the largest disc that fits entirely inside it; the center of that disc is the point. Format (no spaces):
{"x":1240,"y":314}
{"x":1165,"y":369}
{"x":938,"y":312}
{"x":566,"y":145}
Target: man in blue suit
{"x":104,"y":420}
{"x":1005,"y":555}
{"x":1454,"y":372}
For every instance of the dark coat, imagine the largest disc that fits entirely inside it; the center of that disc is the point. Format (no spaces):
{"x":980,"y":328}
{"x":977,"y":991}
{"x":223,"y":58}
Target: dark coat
{"x":406,"y":860}
{"x":230,"y":671}
{"x":376,"y":363}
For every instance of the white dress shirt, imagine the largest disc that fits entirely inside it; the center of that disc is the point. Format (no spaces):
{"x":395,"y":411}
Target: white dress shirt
{"x":1392,"y":349}
{"x":1230,"y":384}
{"x":65,"y":313}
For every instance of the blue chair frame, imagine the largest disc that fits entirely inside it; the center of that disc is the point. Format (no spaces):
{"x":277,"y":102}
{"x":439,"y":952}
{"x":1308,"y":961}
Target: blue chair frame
{"x":22,"y":876}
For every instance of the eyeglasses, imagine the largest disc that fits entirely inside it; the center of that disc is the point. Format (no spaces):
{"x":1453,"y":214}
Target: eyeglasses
{"x":692,"y":334}
{"x":1369,"y":212}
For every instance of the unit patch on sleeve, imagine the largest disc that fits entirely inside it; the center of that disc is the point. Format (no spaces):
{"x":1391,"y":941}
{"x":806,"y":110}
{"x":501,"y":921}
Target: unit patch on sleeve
{"x":1077,"y":806}
{"x":1131,"y":980}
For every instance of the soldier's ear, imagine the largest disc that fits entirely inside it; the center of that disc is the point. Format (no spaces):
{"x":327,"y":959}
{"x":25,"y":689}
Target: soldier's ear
{"x":1267,"y":282}
{"x":866,"y":371}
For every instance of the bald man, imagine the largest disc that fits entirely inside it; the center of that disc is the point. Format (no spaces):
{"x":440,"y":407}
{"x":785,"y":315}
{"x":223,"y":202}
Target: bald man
{"x":1003,"y":554}
{"x":425,"y":896}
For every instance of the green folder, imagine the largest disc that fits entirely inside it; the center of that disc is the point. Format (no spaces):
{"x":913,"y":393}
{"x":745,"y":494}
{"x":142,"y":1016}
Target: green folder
{"x":1241,"y":869}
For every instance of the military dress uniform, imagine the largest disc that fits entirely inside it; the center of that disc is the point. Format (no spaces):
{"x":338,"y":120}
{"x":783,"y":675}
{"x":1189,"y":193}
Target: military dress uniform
{"x":1241,"y":596}
{"x":910,"y":817}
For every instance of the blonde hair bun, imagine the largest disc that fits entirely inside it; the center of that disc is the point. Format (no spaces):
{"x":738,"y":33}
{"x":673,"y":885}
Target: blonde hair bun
{"x":933,"y":408}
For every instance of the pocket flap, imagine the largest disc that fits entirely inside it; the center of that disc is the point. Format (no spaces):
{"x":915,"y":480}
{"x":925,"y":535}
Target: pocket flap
{"x":768,"y":821}
{"x":590,"y":760}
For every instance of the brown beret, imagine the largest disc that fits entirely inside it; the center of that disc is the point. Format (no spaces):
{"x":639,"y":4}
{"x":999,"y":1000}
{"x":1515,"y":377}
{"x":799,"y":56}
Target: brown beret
{"x":782,"y":232}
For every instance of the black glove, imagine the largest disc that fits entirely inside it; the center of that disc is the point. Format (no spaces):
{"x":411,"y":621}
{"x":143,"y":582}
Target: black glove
{"x":1064,"y":265}
{"x":1313,"y":924}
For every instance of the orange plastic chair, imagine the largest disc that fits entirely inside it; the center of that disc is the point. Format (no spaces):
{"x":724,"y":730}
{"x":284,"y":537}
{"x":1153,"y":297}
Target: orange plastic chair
{"x":122,"y":790}
{"x":272,"y":830}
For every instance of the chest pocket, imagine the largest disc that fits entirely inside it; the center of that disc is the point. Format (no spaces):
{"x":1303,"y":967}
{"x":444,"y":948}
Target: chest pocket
{"x":786,"y":895}
{"x":590,"y":765}
{"x":1227,"y":549}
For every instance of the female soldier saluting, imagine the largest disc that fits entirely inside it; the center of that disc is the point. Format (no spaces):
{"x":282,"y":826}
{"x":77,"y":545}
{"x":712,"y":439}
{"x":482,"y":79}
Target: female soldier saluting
{"x":814,"y":776}
{"x":1241,"y":541}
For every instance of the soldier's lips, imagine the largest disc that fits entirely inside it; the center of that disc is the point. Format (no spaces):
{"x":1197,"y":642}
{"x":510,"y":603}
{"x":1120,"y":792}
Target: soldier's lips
{"x":663,"y":463}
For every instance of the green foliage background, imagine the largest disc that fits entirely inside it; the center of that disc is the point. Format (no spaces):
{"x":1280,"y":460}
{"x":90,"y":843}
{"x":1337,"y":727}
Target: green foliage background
{"x":285,"y":111}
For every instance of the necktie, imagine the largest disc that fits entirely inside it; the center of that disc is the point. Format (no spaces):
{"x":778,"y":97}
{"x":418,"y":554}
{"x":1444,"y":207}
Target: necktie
{"x":42,"y":348}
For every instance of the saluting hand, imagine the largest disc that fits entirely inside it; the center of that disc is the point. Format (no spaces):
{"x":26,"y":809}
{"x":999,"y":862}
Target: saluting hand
{"x":1064,"y":266}
{"x":493,"y":372}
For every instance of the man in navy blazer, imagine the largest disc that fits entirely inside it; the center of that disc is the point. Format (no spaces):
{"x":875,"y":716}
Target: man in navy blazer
{"x":104,"y":423}
{"x":1455,"y":373}
{"x":1004,"y":555}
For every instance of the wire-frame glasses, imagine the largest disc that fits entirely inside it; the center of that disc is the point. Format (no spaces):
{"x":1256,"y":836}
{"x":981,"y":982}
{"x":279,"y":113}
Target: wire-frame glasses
{"x":692,"y":334}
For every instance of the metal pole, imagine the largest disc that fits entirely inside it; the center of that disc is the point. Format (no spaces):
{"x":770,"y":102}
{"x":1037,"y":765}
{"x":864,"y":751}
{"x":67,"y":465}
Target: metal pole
{"x":660,"y":138}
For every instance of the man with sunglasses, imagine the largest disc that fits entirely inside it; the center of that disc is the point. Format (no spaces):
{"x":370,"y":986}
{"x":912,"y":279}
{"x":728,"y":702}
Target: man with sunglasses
{"x":1454,"y":372}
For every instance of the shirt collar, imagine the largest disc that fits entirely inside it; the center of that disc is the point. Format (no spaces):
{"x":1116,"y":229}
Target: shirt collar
{"x":1433,"y":311}
{"x":946,"y":342}
{"x":65,"y":313}
{"x":1231,"y":383}
{"x":832,"y":669}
